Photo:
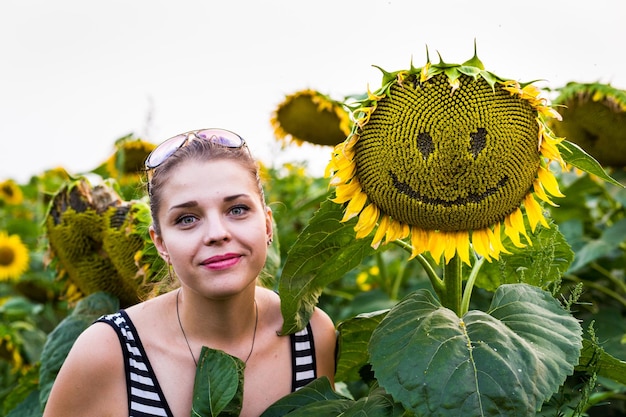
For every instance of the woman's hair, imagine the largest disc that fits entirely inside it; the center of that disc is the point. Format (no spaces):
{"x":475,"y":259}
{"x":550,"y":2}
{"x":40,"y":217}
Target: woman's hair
{"x":197,"y":150}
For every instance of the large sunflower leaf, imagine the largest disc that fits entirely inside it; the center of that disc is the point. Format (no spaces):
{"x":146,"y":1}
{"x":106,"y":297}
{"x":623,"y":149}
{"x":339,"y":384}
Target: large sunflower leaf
{"x":576,"y":156}
{"x":506,"y":361}
{"x":325,"y":250}
{"x":62,"y":338}
{"x":545,"y":261}
{"x":218,"y":386}
{"x":354,"y":337}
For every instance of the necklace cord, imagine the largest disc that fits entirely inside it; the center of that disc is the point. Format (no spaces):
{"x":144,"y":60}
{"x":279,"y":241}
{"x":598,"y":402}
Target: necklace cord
{"x":180,"y":324}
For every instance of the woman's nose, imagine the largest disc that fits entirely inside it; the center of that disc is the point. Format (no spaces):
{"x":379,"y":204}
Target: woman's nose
{"x":216,"y":230}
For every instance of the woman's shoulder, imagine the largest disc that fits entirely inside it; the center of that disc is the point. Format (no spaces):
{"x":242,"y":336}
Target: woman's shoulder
{"x":93,"y":370}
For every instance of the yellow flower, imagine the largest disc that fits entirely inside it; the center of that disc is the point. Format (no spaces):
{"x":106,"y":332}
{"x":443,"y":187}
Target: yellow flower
{"x":309,"y":116}
{"x":11,"y":193}
{"x":447,"y":154}
{"x":128,"y":160}
{"x":13,"y":257}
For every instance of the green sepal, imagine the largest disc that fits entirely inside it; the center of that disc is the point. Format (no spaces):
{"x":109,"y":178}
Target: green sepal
{"x":574,"y":155}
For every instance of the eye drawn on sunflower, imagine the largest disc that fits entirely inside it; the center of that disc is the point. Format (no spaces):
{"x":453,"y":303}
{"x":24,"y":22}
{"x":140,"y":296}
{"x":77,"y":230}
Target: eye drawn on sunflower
{"x":447,"y":154}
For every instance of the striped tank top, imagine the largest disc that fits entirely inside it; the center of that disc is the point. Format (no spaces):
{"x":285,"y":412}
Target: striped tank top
{"x":145,"y":398}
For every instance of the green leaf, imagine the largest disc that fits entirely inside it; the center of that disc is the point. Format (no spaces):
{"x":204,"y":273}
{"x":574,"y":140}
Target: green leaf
{"x":61,"y":339}
{"x":218,"y":386}
{"x":377,"y":404}
{"x":611,"y":239}
{"x":314,"y":393}
{"x":574,"y":155}
{"x":325,"y":250}
{"x":546,"y":260}
{"x":507,"y":361}
{"x":354,"y":337}
{"x":28,"y":408}
{"x":594,"y":359}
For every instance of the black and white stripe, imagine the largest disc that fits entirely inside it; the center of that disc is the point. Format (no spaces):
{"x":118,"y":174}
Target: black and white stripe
{"x":303,"y":358}
{"x":145,"y":398}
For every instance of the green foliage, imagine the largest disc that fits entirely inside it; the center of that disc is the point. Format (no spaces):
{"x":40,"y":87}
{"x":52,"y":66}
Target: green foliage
{"x":505,"y":361}
{"x":218,"y":387}
{"x":324,"y":252}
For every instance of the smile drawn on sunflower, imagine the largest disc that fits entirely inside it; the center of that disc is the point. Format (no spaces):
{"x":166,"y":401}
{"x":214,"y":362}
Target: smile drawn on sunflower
{"x":405,"y":188}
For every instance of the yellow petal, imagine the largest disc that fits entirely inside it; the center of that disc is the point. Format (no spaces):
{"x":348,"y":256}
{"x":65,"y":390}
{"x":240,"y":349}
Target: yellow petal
{"x":355,"y":206}
{"x":345,"y":192}
{"x":462,"y":245}
{"x":397,"y":231}
{"x":436,"y":245}
{"x":419,"y":241}
{"x":534,"y":212}
{"x":539,"y":192}
{"x":381,"y":231}
{"x":480,"y":243}
{"x":549,"y":182}
{"x":512,"y":228}
{"x":367,"y":221}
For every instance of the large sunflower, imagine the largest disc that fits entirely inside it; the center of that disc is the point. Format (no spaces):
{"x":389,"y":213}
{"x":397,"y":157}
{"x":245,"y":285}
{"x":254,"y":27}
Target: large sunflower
{"x":448,"y":154}
{"x":13,"y":257}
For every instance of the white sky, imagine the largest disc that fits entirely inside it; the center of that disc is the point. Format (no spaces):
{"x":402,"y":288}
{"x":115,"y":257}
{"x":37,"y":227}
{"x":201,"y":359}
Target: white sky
{"x":75,"y":75}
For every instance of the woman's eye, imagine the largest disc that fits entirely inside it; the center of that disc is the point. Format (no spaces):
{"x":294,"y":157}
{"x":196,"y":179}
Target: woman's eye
{"x":185,"y":220}
{"x":239,"y":210}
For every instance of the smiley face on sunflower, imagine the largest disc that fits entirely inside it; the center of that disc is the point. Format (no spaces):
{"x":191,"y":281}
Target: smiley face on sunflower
{"x":449,"y":155}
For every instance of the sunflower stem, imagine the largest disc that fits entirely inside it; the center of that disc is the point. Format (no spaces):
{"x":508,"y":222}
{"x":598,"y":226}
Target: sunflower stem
{"x":451,"y":296}
{"x":436,"y":282}
{"x":469,"y":286}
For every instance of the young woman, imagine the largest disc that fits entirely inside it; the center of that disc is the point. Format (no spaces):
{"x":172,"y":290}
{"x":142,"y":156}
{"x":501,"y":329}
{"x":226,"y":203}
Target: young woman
{"x":212,"y":227}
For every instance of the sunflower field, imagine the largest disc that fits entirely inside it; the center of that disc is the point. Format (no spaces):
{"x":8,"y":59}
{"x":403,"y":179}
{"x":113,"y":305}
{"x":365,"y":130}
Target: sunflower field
{"x":468,"y":240}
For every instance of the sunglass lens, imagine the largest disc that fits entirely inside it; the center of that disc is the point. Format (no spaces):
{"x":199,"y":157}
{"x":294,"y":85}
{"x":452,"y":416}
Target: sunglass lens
{"x":164,"y":150}
{"x":221,"y":137}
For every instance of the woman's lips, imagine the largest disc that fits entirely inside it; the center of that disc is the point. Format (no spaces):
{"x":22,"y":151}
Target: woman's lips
{"x":221,"y":261}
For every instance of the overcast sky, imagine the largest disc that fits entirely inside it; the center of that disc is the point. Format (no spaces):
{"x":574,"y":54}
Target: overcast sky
{"x":75,"y":75}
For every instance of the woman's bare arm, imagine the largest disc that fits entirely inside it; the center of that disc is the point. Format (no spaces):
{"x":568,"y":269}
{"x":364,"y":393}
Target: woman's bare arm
{"x":91,"y":381}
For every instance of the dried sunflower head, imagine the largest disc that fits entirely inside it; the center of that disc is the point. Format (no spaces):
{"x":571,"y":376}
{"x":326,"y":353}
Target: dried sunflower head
{"x":447,"y":154}
{"x":594,"y":117}
{"x":310,"y":116}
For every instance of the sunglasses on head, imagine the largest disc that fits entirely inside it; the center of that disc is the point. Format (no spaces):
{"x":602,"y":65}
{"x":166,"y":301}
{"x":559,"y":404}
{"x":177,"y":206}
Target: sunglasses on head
{"x":166,"y":149}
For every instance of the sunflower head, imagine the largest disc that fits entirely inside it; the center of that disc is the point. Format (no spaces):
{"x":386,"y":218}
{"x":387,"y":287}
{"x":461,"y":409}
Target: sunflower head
{"x":447,"y":154}
{"x":309,"y":116}
{"x":594,"y":117}
{"x":11,"y":193}
{"x":127,"y":163}
{"x":13,"y":257}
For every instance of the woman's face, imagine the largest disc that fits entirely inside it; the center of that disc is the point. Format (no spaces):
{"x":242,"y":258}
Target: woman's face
{"x":214,"y":227}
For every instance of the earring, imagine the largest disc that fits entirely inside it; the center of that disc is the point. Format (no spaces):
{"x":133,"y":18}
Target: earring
{"x":269,"y":241}
{"x":169,"y":272}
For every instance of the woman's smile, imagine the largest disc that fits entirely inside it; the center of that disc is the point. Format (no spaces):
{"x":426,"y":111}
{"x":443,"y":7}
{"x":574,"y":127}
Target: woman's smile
{"x":220,"y":262}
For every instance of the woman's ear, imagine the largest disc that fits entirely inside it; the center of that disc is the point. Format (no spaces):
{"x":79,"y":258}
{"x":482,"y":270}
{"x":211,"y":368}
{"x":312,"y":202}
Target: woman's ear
{"x":269,"y":224}
{"x":159,"y":244}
